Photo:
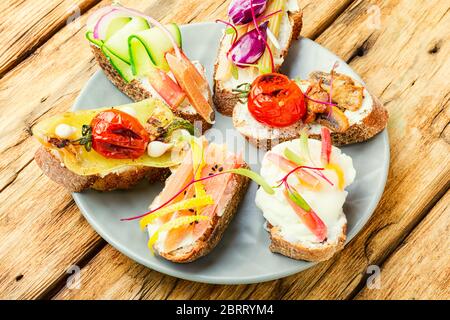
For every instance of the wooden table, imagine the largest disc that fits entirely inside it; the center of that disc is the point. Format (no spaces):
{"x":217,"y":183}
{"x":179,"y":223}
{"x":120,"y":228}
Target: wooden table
{"x":400,"y":47}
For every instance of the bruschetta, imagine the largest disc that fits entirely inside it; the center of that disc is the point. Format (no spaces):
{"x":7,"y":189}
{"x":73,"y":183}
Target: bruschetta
{"x":110,"y":148}
{"x":256,"y":40}
{"x":144,"y":59}
{"x":275,"y":108}
{"x":305,"y":217}
{"x":201,"y":196}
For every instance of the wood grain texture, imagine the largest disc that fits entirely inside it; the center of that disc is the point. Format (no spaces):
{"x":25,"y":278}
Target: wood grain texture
{"x":47,"y":83}
{"x":405,"y":60}
{"x":25,"y":25}
{"x":415,"y":182}
{"x":420,"y":267}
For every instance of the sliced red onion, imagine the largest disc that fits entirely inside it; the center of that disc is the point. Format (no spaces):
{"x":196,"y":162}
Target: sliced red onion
{"x":101,"y":28}
{"x":250,"y":47}
{"x":239,"y":11}
{"x":94,"y":17}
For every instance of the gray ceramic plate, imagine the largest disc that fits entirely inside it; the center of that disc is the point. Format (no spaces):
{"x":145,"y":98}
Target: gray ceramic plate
{"x":243,"y":255}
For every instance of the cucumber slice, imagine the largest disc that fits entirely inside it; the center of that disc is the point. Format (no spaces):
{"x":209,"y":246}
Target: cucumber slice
{"x":141,"y":62}
{"x":123,"y":68}
{"x":90,"y":37}
{"x":148,"y":48}
{"x":115,"y":25}
{"x":118,"y":43}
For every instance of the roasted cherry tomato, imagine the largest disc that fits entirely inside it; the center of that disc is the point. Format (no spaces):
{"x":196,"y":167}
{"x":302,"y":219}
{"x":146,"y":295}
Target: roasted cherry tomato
{"x":276,"y":101}
{"x":118,"y":135}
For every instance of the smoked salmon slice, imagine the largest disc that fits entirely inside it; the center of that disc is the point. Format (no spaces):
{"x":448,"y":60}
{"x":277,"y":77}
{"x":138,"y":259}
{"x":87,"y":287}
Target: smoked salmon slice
{"x":216,"y":160}
{"x":175,"y":237}
{"x":177,"y":180}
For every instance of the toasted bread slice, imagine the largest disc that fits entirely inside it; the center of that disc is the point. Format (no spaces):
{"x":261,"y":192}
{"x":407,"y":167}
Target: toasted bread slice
{"x":137,"y":92}
{"x":366,"y":126}
{"x":190,"y":242}
{"x":224,"y":99}
{"x":308,"y":251}
{"x":313,"y":234}
{"x":122,"y":179}
{"x":217,"y":227}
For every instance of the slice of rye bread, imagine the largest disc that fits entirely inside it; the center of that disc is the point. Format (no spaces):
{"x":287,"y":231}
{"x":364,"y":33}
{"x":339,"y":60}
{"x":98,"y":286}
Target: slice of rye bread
{"x":268,"y":137}
{"x":224,"y":99}
{"x":216,"y":230}
{"x":124,"y":179}
{"x":308,"y":253}
{"x":136,"y":92}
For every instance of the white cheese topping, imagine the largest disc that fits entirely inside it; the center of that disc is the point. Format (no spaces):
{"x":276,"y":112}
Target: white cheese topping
{"x":157,"y":148}
{"x":64,"y":131}
{"x":292,"y":6}
{"x":327,"y":202}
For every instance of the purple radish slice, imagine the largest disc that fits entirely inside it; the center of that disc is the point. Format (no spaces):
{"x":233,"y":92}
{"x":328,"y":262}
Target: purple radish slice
{"x":240,"y":13}
{"x":250,"y":47}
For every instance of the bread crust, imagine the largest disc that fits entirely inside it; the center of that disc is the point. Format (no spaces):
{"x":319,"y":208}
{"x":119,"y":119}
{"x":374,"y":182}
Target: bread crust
{"x":301,"y":252}
{"x":224,"y":99}
{"x":55,"y":170}
{"x":370,"y":126}
{"x":136,"y":92}
{"x":217,"y":228}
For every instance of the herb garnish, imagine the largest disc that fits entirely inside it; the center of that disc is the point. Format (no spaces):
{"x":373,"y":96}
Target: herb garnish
{"x":242,"y":91}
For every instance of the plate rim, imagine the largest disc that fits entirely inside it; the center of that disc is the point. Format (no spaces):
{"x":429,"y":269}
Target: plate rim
{"x":229,"y":280}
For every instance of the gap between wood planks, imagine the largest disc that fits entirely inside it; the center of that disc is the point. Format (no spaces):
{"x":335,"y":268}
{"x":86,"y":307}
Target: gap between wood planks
{"x":29,"y":52}
{"x":439,"y":195}
{"x":59,"y":284}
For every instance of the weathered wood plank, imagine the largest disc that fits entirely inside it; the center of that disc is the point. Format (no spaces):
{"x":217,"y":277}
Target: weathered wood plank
{"x":25,"y":25}
{"x":410,"y":81}
{"x":47,"y":83}
{"x":420,"y":268}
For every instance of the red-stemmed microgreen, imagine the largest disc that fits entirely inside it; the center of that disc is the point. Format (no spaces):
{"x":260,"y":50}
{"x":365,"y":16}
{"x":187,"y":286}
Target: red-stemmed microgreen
{"x":303,"y":209}
{"x":259,"y":33}
{"x":241,"y":171}
{"x":267,"y":16}
{"x":317,"y":170}
{"x":235,"y":36}
{"x":330,"y":95}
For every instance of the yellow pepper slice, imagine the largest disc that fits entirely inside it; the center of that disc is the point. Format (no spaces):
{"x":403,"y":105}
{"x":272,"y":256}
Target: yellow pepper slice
{"x":181,"y":205}
{"x":198,"y":161}
{"x":340,"y":174}
{"x":173,"y":224}
{"x":274,"y":26}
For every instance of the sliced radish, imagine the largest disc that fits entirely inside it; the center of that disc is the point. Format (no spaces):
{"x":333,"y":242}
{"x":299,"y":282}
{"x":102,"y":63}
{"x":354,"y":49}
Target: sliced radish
{"x":326,"y":145}
{"x":93,"y":18}
{"x":286,"y":165}
{"x":311,"y":220}
{"x":168,"y":89}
